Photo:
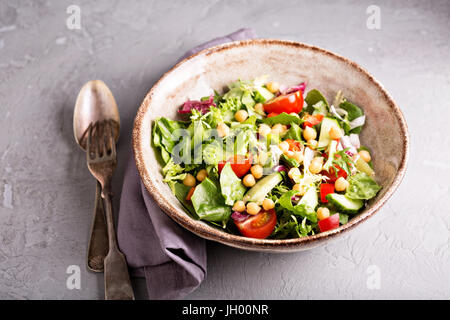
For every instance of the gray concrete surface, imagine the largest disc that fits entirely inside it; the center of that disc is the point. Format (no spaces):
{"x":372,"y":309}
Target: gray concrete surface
{"x":46,"y":192}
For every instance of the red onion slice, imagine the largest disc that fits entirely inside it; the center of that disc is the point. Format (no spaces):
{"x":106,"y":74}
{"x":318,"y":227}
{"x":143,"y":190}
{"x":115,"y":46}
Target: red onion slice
{"x":202,"y":106}
{"x":300,"y":87}
{"x":239,"y":216}
{"x":279,"y":168}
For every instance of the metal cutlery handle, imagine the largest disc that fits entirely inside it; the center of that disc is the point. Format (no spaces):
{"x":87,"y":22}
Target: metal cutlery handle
{"x":117,"y":280}
{"x":98,"y":240}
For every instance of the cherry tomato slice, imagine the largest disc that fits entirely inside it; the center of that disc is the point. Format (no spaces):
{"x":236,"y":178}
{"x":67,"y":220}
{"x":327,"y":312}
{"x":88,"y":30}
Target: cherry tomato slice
{"x":332,"y":175}
{"x":312,"y":120}
{"x":259,"y":226}
{"x":288,"y":103}
{"x":332,"y":222}
{"x":326,"y":188}
{"x":294,"y":145}
{"x":272,"y":114}
{"x":239,"y":164}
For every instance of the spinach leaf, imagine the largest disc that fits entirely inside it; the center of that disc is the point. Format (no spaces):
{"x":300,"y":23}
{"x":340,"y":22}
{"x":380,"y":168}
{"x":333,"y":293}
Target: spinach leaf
{"x":208,"y":202}
{"x":231,"y":186}
{"x":362,"y":186}
{"x":314,"y":96}
{"x":320,"y":107}
{"x":285,"y":200}
{"x":181,"y":191}
{"x":294,"y":132}
{"x":283,"y":118}
{"x":353,"y":112}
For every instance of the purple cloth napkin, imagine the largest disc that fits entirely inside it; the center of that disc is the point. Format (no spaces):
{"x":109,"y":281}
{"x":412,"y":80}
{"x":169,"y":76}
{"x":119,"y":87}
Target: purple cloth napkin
{"x":172,"y":259}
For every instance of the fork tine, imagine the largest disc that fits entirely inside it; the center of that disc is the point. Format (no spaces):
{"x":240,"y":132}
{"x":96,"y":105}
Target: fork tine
{"x":112,"y":140}
{"x":105,"y":138}
{"x":109,"y":137}
{"x":89,"y":141}
{"x":98,"y":136}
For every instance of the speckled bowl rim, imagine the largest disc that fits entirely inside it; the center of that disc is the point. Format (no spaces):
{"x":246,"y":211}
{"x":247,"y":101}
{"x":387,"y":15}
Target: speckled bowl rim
{"x":208,"y":232}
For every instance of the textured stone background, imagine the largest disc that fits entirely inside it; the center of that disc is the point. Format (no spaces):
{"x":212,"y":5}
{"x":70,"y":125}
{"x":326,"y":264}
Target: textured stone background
{"x":46,"y":192}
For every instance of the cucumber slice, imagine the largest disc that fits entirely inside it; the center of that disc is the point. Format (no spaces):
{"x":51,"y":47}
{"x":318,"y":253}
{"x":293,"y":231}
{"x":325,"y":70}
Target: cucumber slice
{"x":310,"y":199}
{"x":344,"y":204}
{"x":259,"y":191}
{"x":326,"y":125}
{"x":266,"y":94}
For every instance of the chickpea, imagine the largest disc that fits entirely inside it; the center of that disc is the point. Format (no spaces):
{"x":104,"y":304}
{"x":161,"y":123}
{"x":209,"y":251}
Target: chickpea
{"x":262,"y":158}
{"x":298,"y":156}
{"x":264,"y":130}
{"x":279,"y":129}
{"x":239,"y":206}
{"x":249,"y":180}
{"x":289,"y":154}
{"x":241,"y":115}
{"x":341,"y":184}
{"x":257,"y":171}
{"x":189,"y":180}
{"x":273,"y":86}
{"x":223,"y":130}
{"x":365,"y":155}
{"x":253,"y":208}
{"x":323,"y":213}
{"x":301,"y":189}
{"x":318,"y":159}
{"x":312,"y":144}
{"x":335,"y":133}
{"x":309,"y":133}
{"x":268,"y":204}
{"x":294,"y":172}
{"x":259,"y":108}
{"x":201,"y":175}
{"x":284,"y":146}
{"x":316,"y":165}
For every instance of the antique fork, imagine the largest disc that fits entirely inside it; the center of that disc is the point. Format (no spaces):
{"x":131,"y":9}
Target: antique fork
{"x":101,"y":160}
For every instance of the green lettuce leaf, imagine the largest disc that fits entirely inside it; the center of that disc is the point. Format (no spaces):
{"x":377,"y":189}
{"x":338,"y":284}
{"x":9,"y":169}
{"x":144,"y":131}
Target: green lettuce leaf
{"x":353,"y":112}
{"x":362,"y":186}
{"x":172,"y":171}
{"x":180,"y":191}
{"x":163,"y":135}
{"x":294,"y":132}
{"x":314,"y":96}
{"x":213,"y":153}
{"x":302,"y":210}
{"x":231,"y":186}
{"x":283,"y":118}
{"x":209,"y":203}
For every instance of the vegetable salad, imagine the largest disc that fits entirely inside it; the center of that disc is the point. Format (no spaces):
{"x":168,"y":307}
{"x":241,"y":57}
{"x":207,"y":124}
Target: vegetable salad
{"x":267,"y":161}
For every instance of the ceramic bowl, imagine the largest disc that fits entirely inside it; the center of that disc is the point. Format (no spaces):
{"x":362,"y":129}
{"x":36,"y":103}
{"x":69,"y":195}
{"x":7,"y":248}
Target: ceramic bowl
{"x":289,"y":63}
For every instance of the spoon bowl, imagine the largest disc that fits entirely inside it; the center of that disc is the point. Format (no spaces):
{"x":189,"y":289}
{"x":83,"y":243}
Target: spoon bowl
{"x":95,"y":102}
